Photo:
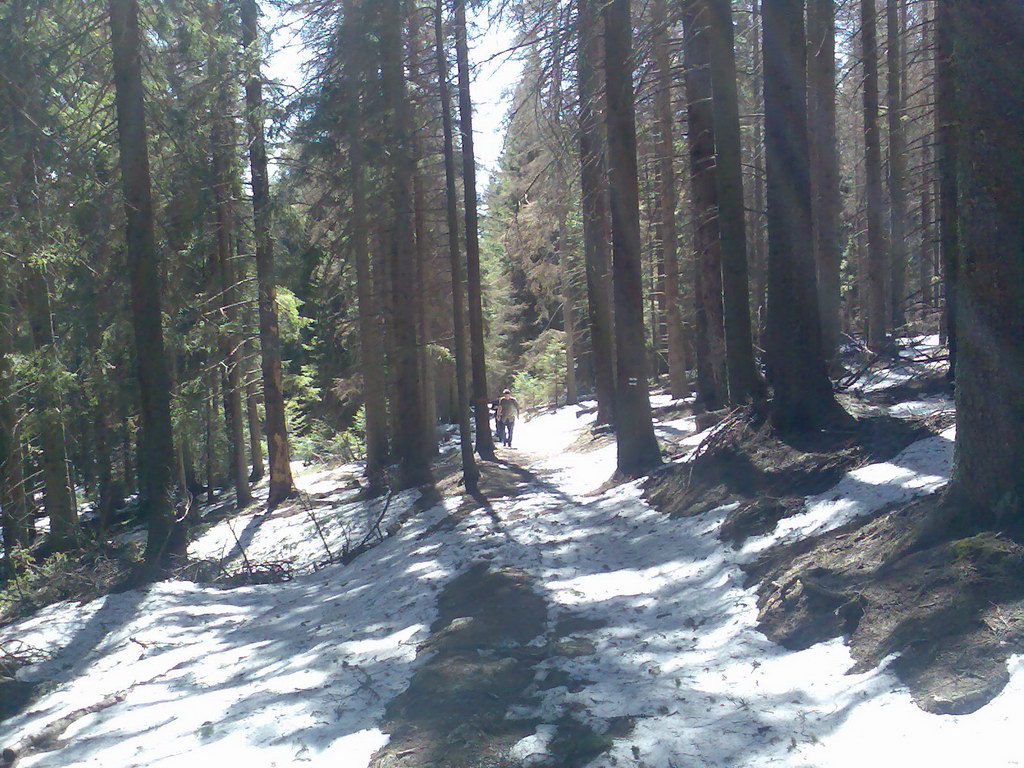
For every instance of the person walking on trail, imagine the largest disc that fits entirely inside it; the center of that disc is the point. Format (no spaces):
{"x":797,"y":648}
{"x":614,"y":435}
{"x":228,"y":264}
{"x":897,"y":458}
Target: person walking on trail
{"x":508,"y":410}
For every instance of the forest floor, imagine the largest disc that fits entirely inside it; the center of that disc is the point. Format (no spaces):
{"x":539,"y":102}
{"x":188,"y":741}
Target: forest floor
{"x":752,"y":603}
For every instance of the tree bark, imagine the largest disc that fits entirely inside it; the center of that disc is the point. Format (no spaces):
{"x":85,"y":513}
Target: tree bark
{"x":15,"y":516}
{"x":897,"y":167}
{"x":278,"y":454}
{"x":470,"y":473}
{"x":371,"y":346}
{"x":568,"y":313}
{"x":412,"y":439}
{"x":594,"y":204}
{"x":710,"y":323}
{"x":484,"y":438}
{"x":803,"y":398}
{"x":877,"y":261}
{"x":986,"y":487}
{"x":166,"y":540}
{"x":637,"y":447}
{"x":826,"y":204}
{"x":739,"y":360}
{"x":946,"y":158}
{"x":679,"y":385}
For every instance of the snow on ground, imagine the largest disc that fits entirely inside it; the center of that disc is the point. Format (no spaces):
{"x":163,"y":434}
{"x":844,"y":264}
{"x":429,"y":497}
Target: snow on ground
{"x":299,"y":673}
{"x":917,"y":355}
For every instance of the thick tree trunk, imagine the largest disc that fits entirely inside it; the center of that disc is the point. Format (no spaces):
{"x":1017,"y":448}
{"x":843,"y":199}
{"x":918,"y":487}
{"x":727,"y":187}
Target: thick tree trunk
{"x":637,"y":447}
{"x":897,"y":167}
{"x":739,"y":361}
{"x":278,"y":454}
{"x":803,"y":398}
{"x":470,"y":473}
{"x":710,"y":322}
{"x":411,"y":438}
{"x":424,"y":271}
{"x":679,"y":385}
{"x":877,"y":261}
{"x":14,"y":511}
{"x":760,"y":259}
{"x":371,"y":346}
{"x":946,"y":153}
{"x":166,"y":540}
{"x":986,"y":488}
{"x":825,"y":199}
{"x":594,"y":204}
{"x":484,"y":438}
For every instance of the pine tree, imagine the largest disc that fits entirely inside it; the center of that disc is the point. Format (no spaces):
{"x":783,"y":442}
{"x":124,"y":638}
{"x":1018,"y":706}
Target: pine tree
{"x":637,"y":447}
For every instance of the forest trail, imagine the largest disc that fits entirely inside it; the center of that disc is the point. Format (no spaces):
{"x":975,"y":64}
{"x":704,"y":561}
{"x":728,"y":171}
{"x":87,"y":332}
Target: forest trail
{"x":553,"y":627}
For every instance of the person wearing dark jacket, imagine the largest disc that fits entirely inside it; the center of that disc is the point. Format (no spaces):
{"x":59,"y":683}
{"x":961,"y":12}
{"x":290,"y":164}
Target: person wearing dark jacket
{"x":507,"y":412}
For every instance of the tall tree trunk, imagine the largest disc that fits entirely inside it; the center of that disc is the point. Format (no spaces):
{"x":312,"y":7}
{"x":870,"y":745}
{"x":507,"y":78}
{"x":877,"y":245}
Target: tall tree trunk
{"x":14,"y":511}
{"x":803,"y":398}
{"x":637,"y":447}
{"x":412,"y":439}
{"x":679,"y":385}
{"x":423,"y":243}
{"x":594,"y":204}
{"x":897,"y":167}
{"x":209,"y":414}
{"x":877,"y":261}
{"x":739,"y":361}
{"x":760,"y":258}
{"x":278,"y":454}
{"x":568,"y":313}
{"x":826,"y":203}
{"x":371,"y":346}
{"x":230,"y":344}
{"x":252,"y":412}
{"x":484,"y":438}
{"x":986,"y":487}
{"x":711,"y":375}
{"x":166,"y":541}
{"x":470,"y":473}
{"x":946,"y":151}
{"x":56,"y":482}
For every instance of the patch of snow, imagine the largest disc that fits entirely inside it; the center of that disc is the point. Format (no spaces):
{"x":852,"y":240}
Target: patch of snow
{"x":300,"y":673}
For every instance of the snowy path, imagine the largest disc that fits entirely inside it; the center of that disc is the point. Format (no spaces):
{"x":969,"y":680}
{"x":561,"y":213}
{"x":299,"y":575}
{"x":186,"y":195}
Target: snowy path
{"x":299,"y":673}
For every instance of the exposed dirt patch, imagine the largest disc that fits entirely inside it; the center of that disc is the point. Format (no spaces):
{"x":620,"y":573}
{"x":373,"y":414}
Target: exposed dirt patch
{"x":953,"y":612}
{"x":484,"y":651}
{"x":453,"y":713}
{"x":744,"y":461}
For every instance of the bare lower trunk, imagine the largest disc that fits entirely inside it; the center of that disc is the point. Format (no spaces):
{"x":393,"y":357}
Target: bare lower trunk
{"x":484,"y":438}
{"x":946,"y":152}
{"x":740,"y":371}
{"x":986,"y":487}
{"x":825,"y":198}
{"x":278,"y":454}
{"x":637,"y":447}
{"x":166,"y":541}
{"x":470,"y":474}
{"x":12,"y":493}
{"x":594,"y":204}
{"x":411,"y":444}
{"x":897,"y":167}
{"x":802,"y":393}
{"x":371,"y":344}
{"x":877,"y":261}
{"x":679,"y":385}
{"x":710,"y":323}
